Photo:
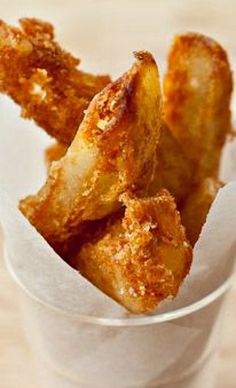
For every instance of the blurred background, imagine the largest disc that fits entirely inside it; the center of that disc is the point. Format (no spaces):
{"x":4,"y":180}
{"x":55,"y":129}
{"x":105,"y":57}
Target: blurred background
{"x":103,"y":34}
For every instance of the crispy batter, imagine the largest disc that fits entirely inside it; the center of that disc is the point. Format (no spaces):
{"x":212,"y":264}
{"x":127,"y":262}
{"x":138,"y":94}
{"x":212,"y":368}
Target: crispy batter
{"x":54,"y":152}
{"x":43,"y":79}
{"x":140,"y":258}
{"x":172,"y":169}
{"x":197,"y":205}
{"x":113,"y":151}
{"x":197,"y":90}
{"x":132,"y":248}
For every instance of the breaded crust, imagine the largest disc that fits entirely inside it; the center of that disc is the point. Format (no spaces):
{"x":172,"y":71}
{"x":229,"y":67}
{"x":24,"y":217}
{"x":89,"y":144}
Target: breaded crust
{"x":43,"y":78}
{"x":197,"y":205}
{"x":113,"y":151}
{"x":142,"y":257}
{"x":54,"y":152}
{"x":172,"y":170}
{"x":197,"y":91}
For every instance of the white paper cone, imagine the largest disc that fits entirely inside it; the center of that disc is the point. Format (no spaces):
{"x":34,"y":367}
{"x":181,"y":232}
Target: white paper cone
{"x":89,"y":353}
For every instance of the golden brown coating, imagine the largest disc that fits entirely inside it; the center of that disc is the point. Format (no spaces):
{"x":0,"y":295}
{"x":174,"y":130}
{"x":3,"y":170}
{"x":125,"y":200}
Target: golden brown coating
{"x":141,"y":258}
{"x":197,"y":90}
{"x":43,"y":79}
{"x":196,"y":207}
{"x":133,"y":248}
{"x":172,"y":169}
{"x":113,"y":151}
{"x":54,"y":152}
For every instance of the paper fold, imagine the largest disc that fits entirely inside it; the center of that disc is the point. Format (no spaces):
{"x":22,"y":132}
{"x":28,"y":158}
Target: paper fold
{"x":45,"y":276}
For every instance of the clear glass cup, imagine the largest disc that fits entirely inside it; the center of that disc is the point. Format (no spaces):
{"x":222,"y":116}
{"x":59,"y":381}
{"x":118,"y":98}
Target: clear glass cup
{"x":174,"y":349}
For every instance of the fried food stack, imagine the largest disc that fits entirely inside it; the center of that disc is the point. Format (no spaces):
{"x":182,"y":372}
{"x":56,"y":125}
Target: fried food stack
{"x":127,"y":162}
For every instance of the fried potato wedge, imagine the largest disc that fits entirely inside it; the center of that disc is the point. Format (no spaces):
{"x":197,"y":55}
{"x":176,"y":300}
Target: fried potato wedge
{"x":140,"y":258}
{"x":43,"y":79}
{"x":113,"y":151}
{"x":196,"y":207}
{"x":197,"y":90}
{"x":172,"y":169}
{"x":54,"y":152}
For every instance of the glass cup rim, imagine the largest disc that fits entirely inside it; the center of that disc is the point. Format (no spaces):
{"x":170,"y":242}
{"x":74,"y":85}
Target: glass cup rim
{"x":133,"y":320}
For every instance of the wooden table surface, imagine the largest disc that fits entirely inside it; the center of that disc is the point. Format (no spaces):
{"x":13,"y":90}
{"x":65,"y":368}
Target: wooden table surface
{"x":104,"y":33}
